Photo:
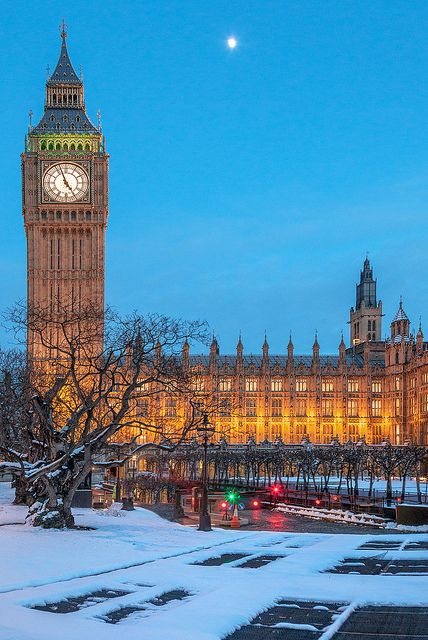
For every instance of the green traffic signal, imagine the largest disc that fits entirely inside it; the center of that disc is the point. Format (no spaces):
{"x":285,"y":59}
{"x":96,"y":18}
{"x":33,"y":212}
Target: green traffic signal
{"x":232,"y":496}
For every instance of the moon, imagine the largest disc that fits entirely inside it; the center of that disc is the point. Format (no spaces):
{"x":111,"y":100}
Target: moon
{"x":232,"y":42}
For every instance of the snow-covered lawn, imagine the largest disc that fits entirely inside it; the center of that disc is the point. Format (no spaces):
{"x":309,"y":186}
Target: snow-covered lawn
{"x":144,"y":556}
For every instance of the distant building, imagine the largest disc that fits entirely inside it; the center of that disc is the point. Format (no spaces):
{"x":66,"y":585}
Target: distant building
{"x":373,"y":390}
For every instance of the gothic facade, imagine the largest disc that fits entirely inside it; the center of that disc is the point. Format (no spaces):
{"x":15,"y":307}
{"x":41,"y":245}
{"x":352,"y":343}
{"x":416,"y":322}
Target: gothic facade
{"x":373,"y":390}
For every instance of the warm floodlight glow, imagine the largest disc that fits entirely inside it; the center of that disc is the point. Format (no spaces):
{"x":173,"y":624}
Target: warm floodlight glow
{"x":232,"y":42}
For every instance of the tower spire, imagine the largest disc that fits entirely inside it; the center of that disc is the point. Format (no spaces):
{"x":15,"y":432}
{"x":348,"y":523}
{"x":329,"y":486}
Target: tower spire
{"x":63,"y":28}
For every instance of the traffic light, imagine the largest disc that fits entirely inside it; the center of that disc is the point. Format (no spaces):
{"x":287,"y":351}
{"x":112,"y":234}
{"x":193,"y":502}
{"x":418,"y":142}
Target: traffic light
{"x":318,"y":502}
{"x":255,"y":504}
{"x":223,"y":504}
{"x":232,"y":496}
{"x":275,"y":489}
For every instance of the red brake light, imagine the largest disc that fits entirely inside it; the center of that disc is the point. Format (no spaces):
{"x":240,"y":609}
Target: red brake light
{"x":317,"y":502}
{"x":255,"y":503}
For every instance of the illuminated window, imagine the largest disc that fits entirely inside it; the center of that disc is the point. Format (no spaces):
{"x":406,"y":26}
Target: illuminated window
{"x":376,"y":408}
{"x":224,"y":409}
{"x":353,"y":431}
{"x":251,"y":384}
{"x":425,"y":378}
{"x":142,"y":408}
{"x":397,"y":383}
{"x":170,"y":408}
{"x":225,"y":384}
{"x":276,"y":407}
{"x":198,"y":383}
{"x":301,"y":408}
{"x":327,"y":386}
{"x":327,"y":407}
{"x":397,"y":406}
{"x":412,"y":383}
{"x":300,"y":430}
{"x":276,"y":384}
{"x":353,"y":386}
{"x":301,"y":384}
{"x":376,"y":386}
{"x":327,"y":431}
{"x":251,"y":408}
{"x":353,"y":408}
{"x":424,"y":403}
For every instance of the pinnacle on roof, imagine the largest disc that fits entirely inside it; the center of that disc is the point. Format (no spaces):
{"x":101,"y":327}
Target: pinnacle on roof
{"x":401,"y":314}
{"x":64,"y":72}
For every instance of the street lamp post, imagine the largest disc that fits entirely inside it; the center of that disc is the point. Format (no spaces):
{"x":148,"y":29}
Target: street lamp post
{"x":206,"y":430}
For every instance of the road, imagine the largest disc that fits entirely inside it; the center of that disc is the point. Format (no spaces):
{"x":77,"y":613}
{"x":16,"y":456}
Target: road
{"x":272,"y":520}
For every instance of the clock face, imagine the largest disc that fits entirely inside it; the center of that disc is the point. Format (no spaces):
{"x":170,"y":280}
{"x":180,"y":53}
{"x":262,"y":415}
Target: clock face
{"x":66,"y":182}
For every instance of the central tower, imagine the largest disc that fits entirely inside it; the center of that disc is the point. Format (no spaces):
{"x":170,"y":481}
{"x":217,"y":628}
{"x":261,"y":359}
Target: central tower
{"x":366,"y":318}
{"x":65,"y":205}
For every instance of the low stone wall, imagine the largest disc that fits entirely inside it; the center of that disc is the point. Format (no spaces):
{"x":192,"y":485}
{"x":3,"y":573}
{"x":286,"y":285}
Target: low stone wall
{"x":412,"y":514}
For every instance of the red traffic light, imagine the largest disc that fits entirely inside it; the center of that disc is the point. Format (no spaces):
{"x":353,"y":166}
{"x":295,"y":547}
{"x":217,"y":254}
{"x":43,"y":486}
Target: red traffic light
{"x":318,"y":502}
{"x":276,"y":489}
{"x":256,"y":503}
{"x":223,"y":505}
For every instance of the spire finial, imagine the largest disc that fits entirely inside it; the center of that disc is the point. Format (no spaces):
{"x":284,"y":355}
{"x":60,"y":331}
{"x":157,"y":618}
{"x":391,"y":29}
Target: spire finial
{"x":99,"y":120}
{"x":30,"y":118}
{"x":63,"y":28}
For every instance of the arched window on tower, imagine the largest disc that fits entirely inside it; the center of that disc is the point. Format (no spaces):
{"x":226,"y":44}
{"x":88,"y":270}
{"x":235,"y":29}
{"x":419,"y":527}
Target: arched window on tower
{"x":87,"y":146}
{"x":374,"y":325}
{"x":369,"y":325}
{"x":58,"y":145}
{"x":80,"y":146}
{"x":72,"y":146}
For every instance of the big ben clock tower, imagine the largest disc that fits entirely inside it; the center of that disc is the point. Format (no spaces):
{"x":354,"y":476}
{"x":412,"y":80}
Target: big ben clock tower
{"x":65,"y":203}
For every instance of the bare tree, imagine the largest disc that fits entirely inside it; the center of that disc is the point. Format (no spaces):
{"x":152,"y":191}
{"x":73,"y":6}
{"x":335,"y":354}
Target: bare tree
{"x":78,"y":399}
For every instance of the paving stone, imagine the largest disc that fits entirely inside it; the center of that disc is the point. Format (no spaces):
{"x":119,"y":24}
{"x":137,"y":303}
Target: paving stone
{"x":75,"y":603}
{"x":295,"y":612}
{"x":381,"y":545}
{"x":250,"y":632}
{"x":219,"y":560}
{"x":361,"y":566}
{"x":400,"y":567}
{"x":260,"y":561}
{"x":386,"y":622}
{"x":160,"y":601}
{"x":418,"y":545}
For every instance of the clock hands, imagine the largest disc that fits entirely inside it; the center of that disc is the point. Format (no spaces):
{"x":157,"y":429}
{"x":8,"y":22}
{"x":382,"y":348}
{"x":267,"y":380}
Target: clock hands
{"x":65,"y":180}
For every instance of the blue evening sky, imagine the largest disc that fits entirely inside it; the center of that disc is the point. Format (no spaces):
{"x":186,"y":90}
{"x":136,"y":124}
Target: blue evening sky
{"x":245,"y":186}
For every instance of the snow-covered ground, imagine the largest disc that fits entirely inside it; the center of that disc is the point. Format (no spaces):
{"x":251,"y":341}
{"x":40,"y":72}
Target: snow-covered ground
{"x":144,"y":556}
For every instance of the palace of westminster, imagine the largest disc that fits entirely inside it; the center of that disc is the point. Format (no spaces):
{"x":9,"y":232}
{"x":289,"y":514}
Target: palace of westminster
{"x":373,"y":389}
